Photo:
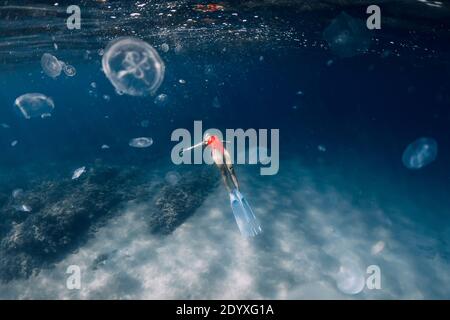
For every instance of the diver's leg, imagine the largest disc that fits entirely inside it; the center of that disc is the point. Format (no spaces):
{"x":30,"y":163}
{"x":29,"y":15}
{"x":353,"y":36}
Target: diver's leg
{"x":223,"y":173}
{"x":230,"y":168}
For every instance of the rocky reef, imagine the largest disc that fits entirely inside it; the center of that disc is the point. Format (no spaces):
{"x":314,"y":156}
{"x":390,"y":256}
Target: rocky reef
{"x":46,"y":221}
{"x":175,"y":203}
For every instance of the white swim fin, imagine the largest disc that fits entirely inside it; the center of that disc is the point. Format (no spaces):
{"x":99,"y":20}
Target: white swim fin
{"x":243,"y":214}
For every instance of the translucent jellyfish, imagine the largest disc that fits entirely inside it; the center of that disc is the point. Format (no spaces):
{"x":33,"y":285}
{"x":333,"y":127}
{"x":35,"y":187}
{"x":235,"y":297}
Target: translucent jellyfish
{"x":347,"y":36}
{"x":51,"y":65}
{"x":172,"y":177}
{"x":420,"y":153}
{"x":133,"y":66}
{"x":69,"y":70}
{"x":216,"y":103}
{"x":141,"y":142}
{"x":33,"y":105}
{"x":165,"y":47}
{"x":377,"y":247}
{"x":161,"y":100}
{"x":350,"y":278}
{"x":14,"y":143}
{"x":321,"y":148}
{"x":145,"y":123}
{"x":78,"y":172}
{"x":105,"y":146}
{"x":17,"y":193}
{"x":4,"y":125}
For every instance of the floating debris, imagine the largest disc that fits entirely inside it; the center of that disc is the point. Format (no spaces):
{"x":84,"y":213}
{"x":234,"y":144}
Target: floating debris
{"x":33,"y":105}
{"x":78,"y":172}
{"x":182,"y":81}
{"x":133,"y":66}
{"x":420,"y":153}
{"x":4,"y":125}
{"x":210,"y":7}
{"x":141,"y":142}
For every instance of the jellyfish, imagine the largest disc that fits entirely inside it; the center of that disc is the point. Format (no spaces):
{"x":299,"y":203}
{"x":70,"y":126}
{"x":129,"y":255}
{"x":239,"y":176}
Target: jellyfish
{"x":347,"y":36}
{"x":377,"y":247}
{"x":69,"y":70}
{"x":161,"y":100}
{"x":33,"y":105}
{"x":165,"y":47}
{"x":350,"y":277}
{"x":51,"y":65}
{"x":133,"y":66}
{"x":420,"y":153}
{"x":141,"y":142}
{"x":216,"y":103}
{"x":17,"y":193}
{"x":78,"y":172}
{"x":172,"y":177}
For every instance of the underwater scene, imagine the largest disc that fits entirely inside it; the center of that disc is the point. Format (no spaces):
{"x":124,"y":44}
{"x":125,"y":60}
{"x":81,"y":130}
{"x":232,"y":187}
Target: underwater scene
{"x":257,"y":149}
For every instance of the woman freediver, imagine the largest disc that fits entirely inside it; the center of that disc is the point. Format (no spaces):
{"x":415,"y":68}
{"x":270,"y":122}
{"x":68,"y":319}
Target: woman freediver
{"x":243,"y":213}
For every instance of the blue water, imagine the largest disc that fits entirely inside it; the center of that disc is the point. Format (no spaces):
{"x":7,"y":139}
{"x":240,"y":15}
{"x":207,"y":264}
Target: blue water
{"x":364,"y":110}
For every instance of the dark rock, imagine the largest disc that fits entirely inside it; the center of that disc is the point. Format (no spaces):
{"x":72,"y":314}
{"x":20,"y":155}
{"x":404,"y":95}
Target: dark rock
{"x":174,"y":204}
{"x":63,"y":214}
{"x":66,"y":212}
